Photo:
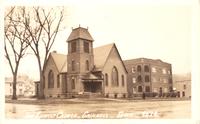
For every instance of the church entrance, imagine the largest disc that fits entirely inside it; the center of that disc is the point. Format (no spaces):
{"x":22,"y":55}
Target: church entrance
{"x":92,"y":86}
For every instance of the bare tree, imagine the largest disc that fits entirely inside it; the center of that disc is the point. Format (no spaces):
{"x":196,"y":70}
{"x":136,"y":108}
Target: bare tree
{"x":43,"y":31}
{"x":15,"y":42}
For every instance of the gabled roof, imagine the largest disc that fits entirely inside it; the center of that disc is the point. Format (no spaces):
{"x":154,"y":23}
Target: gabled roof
{"x":80,"y":33}
{"x":60,"y":61}
{"x":101,"y":54}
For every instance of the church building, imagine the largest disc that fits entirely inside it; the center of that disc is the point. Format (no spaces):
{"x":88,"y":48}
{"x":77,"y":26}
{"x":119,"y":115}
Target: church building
{"x":85,"y":70}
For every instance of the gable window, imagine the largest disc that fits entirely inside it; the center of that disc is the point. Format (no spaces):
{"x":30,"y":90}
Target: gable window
{"x":122,"y":80}
{"x":73,"y":83}
{"x":139,"y":78}
{"x":86,"y":47}
{"x":106,"y":79}
{"x":115,"y":81}
{"x":58,"y":81}
{"x":50,"y":79}
{"x":139,"y":88}
{"x":87,"y":65}
{"x":139,"y":68}
{"x":73,"y":46}
{"x":147,"y":78}
{"x":73,"y":65}
{"x":146,"y":68}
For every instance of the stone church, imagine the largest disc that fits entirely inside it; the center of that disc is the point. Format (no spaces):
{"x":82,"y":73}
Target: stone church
{"x":85,"y":70}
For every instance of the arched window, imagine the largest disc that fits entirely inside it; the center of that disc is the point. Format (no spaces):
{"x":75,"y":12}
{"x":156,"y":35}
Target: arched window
{"x":147,"y":89}
{"x":133,"y":69}
{"x":73,"y":46}
{"x":115,"y":81}
{"x":139,"y":78}
{"x":146,"y":68}
{"x":87,"y":65}
{"x":86,"y":47}
{"x":106,"y":79}
{"x":147,"y":78}
{"x":139,"y":68}
{"x":139,"y":88}
{"x":122,"y":80}
{"x":73,"y":65}
{"x":50,"y":79}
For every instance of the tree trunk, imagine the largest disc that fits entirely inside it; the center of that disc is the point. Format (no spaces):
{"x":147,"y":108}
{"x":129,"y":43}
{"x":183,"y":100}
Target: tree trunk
{"x":14,"y":96}
{"x":41,"y":91}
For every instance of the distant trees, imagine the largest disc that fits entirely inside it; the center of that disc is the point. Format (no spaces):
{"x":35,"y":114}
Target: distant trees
{"x":39,"y":27}
{"x":15,"y":42}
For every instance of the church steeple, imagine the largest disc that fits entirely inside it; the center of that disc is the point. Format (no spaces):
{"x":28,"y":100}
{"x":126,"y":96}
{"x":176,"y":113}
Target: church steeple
{"x":80,"y":51}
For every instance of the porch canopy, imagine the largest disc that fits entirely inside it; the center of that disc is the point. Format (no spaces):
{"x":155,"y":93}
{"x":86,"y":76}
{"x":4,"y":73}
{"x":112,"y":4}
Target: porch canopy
{"x":92,"y":83}
{"x":91,"y":78}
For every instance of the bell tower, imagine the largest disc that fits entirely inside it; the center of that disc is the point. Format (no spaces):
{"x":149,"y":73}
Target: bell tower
{"x":80,"y":58}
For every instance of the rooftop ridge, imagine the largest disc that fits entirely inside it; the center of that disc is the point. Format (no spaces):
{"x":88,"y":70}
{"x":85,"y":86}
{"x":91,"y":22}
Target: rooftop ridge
{"x":158,"y":60}
{"x":105,"y":45}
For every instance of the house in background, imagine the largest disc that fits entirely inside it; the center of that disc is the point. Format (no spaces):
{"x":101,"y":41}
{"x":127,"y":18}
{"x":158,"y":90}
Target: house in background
{"x":148,"y":76}
{"x":25,"y":86}
{"x":85,"y":70}
{"x":182,"y":85}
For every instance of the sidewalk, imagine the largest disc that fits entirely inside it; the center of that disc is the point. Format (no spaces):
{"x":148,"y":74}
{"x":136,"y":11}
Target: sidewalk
{"x":87,"y":100}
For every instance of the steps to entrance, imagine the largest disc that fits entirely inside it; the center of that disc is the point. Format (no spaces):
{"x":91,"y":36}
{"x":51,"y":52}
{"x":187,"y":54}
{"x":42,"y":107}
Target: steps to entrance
{"x":89,"y":95}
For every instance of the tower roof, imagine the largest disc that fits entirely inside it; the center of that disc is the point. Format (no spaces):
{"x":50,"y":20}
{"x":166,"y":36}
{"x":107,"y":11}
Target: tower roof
{"x":80,"y":33}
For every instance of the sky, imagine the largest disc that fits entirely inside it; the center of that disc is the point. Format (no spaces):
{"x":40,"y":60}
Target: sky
{"x":150,"y":31}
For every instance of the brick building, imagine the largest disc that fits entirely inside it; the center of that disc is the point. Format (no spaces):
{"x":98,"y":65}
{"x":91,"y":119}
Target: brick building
{"x":148,"y":76}
{"x":85,"y":70}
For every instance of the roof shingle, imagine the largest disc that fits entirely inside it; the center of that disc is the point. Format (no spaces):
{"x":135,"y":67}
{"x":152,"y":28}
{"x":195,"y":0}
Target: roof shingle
{"x":60,"y":61}
{"x":101,"y":54}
